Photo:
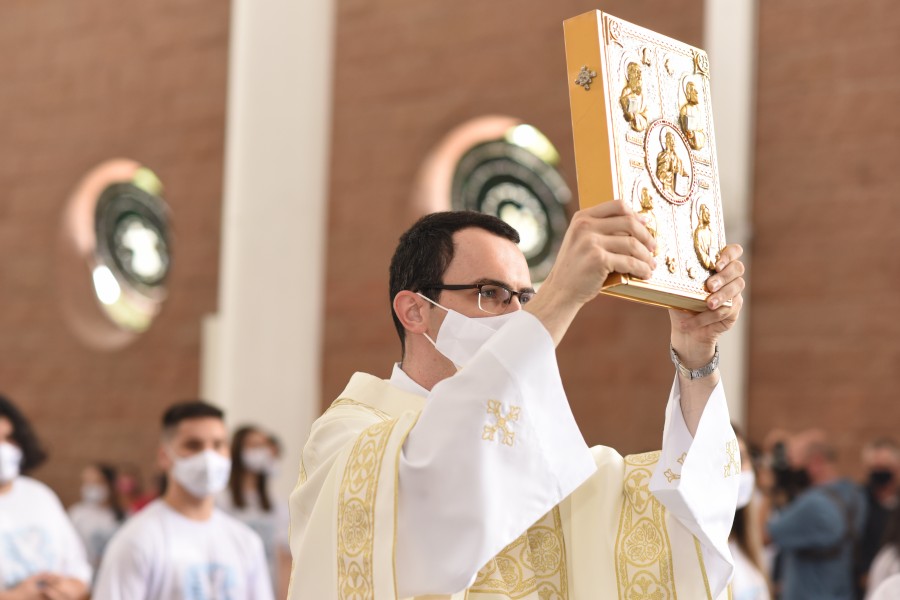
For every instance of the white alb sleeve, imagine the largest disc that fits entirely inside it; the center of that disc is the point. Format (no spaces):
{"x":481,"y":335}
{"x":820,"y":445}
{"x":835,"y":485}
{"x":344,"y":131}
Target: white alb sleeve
{"x":495,"y":448}
{"x":696,"y":479}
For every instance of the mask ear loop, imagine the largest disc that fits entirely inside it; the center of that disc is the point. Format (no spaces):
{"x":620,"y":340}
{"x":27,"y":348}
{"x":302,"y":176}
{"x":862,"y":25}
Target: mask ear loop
{"x":428,"y":337}
{"x":424,"y":297}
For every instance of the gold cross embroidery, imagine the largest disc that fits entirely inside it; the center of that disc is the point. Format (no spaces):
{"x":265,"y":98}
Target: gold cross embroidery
{"x":671,"y":475}
{"x":732,"y":467}
{"x":681,"y":458}
{"x":503,"y":423}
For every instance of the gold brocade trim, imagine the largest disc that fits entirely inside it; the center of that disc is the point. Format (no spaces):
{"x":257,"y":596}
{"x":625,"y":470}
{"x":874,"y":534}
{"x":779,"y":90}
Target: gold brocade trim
{"x":532,"y":567}
{"x":703,"y":568}
{"x":356,"y":513}
{"x":644,"y":569}
{"x":348,"y":402}
{"x":302,"y":479}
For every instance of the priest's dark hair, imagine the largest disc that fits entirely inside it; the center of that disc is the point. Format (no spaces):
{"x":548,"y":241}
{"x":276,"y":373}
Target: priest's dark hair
{"x":426,"y":249}
{"x":23,"y":436}
{"x":191,"y":409}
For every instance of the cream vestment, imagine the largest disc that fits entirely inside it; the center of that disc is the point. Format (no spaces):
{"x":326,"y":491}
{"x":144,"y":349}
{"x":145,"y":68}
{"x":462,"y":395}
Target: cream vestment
{"x":485,"y":489}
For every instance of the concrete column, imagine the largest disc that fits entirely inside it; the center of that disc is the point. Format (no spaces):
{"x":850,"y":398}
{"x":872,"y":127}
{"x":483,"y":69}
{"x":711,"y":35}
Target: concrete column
{"x":262,"y":353}
{"x":730,"y":40}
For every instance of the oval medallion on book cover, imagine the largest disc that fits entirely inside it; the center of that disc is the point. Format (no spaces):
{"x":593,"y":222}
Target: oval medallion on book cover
{"x":510,"y":181}
{"x":670,"y":162}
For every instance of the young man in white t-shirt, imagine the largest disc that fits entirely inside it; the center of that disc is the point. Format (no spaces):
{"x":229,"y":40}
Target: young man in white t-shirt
{"x":181,"y":547}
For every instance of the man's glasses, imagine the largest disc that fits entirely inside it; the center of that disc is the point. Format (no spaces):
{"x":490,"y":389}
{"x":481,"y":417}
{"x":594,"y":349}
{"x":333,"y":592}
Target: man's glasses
{"x":493,"y":298}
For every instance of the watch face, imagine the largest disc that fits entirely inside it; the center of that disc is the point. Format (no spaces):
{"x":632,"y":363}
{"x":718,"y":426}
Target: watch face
{"x":133,"y":236}
{"x":516,"y":181}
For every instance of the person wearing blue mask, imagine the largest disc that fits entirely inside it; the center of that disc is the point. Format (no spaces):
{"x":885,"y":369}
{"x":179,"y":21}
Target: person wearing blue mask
{"x":40,"y":553}
{"x":465,"y":473}
{"x":181,"y":546}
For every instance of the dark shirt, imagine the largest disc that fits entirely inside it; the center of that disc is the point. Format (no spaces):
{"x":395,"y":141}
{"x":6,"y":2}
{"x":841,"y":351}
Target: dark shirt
{"x":873,"y":532}
{"x":815,"y":521}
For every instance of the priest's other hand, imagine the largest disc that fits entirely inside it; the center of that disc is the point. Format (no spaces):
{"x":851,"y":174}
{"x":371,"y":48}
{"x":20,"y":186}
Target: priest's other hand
{"x":601,"y":239}
{"x":694,"y":335}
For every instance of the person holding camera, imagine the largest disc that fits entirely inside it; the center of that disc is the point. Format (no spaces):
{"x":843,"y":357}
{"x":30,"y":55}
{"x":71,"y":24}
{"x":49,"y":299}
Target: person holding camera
{"x":818,"y":531}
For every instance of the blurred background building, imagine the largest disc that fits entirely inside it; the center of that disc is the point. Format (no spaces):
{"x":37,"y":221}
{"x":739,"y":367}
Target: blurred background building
{"x":290,"y":143}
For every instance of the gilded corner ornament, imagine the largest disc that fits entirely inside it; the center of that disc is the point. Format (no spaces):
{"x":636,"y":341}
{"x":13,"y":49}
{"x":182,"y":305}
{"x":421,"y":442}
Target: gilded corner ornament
{"x":701,"y":63}
{"x":613,"y":32}
{"x":585,"y":78}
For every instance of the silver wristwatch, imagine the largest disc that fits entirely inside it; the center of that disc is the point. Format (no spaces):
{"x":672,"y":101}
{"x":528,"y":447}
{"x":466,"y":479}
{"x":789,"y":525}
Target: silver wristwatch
{"x":703,"y":371}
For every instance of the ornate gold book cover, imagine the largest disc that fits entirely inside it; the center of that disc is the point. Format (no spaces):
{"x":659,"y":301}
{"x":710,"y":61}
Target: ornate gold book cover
{"x":643,"y":130}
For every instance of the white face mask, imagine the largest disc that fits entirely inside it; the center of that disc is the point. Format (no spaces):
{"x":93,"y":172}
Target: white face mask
{"x":203,"y":474}
{"x":461,"y":337}
{"x":258,"y":460}
{"x":10,"y":462}
{"x":746,"y":485}
{"x":94,"y":493}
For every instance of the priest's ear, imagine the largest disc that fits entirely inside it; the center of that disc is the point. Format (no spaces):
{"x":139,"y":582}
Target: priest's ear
{"x":412,"y":310}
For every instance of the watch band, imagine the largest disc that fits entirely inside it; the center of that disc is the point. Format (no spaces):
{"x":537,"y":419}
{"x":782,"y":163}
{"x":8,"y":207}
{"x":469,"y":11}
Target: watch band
{"x":703,"y":371}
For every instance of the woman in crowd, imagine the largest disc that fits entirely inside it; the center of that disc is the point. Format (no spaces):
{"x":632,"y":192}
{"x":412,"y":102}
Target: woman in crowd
{"x":130,"y":491}
{"x":887,"y":561}
{"x":745,"y":540}
{"x":249,"y":500}
{"x":40,"y":553}
{"x":98,"y":516}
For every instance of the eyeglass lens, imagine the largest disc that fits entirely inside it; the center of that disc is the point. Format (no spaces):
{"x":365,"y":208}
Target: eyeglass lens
{"x":495,"y":300}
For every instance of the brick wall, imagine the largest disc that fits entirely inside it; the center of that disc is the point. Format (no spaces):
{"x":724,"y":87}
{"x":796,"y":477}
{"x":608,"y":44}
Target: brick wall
{"x":406,"y":74}
{"x":824,"y":335}
{"x":83,"y":82}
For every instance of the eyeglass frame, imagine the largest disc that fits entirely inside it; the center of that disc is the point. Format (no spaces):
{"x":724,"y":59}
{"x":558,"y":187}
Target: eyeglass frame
{"x":478,"y":286}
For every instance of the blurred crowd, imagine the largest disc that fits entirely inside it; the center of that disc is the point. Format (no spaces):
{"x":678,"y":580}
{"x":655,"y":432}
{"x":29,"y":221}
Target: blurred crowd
{"x":48,"y":552}
{"x":804,"y":530}
{"x":801,"y":530}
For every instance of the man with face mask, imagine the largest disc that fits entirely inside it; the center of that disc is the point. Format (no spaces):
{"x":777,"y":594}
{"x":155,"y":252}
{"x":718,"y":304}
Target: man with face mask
{"x":181,"y":546}
{"x":40,"y":554}
{"x":468,"y":456}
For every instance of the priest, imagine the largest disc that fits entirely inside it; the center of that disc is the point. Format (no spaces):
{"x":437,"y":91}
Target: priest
{"x":465,"y":476}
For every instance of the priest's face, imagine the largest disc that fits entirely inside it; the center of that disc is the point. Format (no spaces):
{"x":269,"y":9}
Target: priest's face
{"x":481,"y":257}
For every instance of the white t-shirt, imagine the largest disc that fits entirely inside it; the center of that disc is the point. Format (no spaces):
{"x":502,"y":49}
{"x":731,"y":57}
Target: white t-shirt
{"x":886,"y":564}
{"x":95,"y":526}
{"x":36,"y":536}
{"x":271,"y":526}
{"x":162,"y":555}
{"x":888,"y":590}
